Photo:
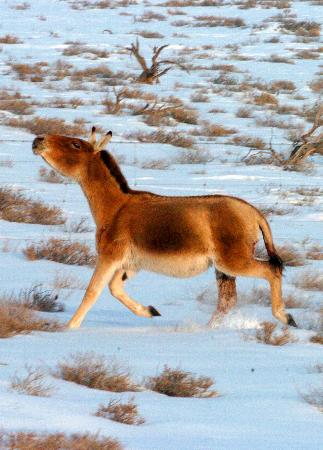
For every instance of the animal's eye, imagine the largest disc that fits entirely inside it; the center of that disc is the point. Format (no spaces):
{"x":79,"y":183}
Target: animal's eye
{"x":76,"y":145}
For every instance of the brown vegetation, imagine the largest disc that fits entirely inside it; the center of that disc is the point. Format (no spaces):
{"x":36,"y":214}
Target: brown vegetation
{"x":16,"y":207}
{"x":175,"y":138}
{"x":121,"y":412}
{"x":179,"y":383}
{"x":314,"y":397}
{"x":15,"y":103}
{"x":267,"y":335}
{"x":56,"y":441}
{"x":311,"y":281}
{"x":50,"y":176}
{"x":9,"y":39}
{"x":95,"y":372}
{"x":39,"y":125}
{"x":62,"y":251}
{"x":317,"y":339}
{"x":36,"y":298}
{"x":18,"y":319}
{"x":33,"y":383}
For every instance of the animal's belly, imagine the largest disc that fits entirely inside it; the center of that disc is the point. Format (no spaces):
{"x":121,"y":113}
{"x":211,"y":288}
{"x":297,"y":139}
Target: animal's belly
{"x":177,"y":266}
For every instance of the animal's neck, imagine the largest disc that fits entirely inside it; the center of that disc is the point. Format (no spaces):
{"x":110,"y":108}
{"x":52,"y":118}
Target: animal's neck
{"x":103,"y":193}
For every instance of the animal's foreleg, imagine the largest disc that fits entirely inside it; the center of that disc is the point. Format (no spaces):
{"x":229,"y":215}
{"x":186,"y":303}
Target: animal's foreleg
{"x":116,"y":289}
{"x":101,"y":276}
{"x":227,"y":295}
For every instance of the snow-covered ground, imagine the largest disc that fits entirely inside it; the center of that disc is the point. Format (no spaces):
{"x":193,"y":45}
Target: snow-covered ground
{"x":260,"y":404}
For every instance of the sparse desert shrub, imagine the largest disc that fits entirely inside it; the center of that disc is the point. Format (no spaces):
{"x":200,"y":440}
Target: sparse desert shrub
{"x":16,"y":207}
{"x":315,"y":252}
{"x":249,"y":141}
{"x":175,"y":138}
{"x":274,"y":58}
{"x":37,"y":298}
{"x":275,"y":210}
{"x":39,"y":125}
{"x":156,"y":164}
{"x":267,"y":334}
{"x":62,"y":251}
{"x":317,"y":339}
{"x":194,"y":156}
{"x":244,"y":113}
{"x":121,"y":412}
{"x":179,"y":383}
{"x":214,"y":130}
{"x":66,"y":281}
{"x":34,"y":73}
{"x":311,"y":281}
{"x":314,"y":397}
{"x":33,"y":383}
{"x":78,"y":226}
{"x":56,"y":441}
{"x":15,"y":103}
{"x":17,"y":319}
{"x":301,"y":28}
{"x":218,"y":21}
{"x":79,"y":49}
{"x":95,"y":372}
{"x":265,"y":99}
{"x":282,"y":85}
{"x":50,"y":176}
{"x":199,"y":97}
{"x":9,"y":39}
{"x":316,"y":85}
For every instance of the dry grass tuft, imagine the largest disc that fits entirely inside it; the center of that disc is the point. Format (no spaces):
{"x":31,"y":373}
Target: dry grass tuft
{"x":62,"y":251}
{"x":33,"y":383}
{"x":315,"y":252}
{"x":37,"y":298}
{"x":317,"y":339}
{"x":311,"y":281}
{"x":174,"y":138}
{"x":95,"y":372}
{"x":314,"y":397}
{"x":56,"y":441}
{"x":121,"y":412}
{"x":18,"y":319}
{"x":265,"y":99}
{"x":15,"y":207}
{"x":9,"y":39}
{"x":266,"y":335}
{"x":39,"y":125}
{"x":249,"y":141}
{"x":288,"y":253}
{"x":178,"y":383}
{"x":50,"y":176}
{"x":15,"y":103}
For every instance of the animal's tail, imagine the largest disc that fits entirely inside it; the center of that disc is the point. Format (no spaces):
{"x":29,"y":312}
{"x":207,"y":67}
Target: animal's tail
{"x":274,"y":259}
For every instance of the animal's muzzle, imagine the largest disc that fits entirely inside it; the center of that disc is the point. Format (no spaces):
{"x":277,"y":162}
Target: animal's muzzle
{"x":38,"y":145}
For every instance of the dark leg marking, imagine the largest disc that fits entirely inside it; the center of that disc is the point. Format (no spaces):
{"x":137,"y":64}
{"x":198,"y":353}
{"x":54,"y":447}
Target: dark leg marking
{"x":290,"y":321}
{"x":153,"y":311}
{"x":124,"y":276}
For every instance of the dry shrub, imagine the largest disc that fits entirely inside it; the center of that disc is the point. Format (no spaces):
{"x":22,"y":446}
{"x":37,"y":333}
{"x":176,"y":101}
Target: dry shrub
{"x":301,"y":28}
{"x":282,"y":85}
{"x":17,"y":319}
{"x":75,"y":49}
{"x":63,"y":251}
{"x":121,"y":412}
{"x":150,"y":34}
{"x":66,"y":281}
{"x":307,"y":54}
{"x":311,"y":281}
{"x":314,"y":397}
{"x":178,"y":383}
{"x":274,"y":58}
{"x":185,"y":115}
{"x":244,"y":113}
{"x":270,"y":210}
{"x":35,"y":73}
{"x":316,"y":85}
{"x":37,"y":298}
{"x":78,"y":226}
{"x":15,"y":103}
{"x":33,"y":383}
{"x":315,"y":252}
{"x":156,"y":164}
{"x":317,"y":339}
{"x":249,"y":141}
{"x":259,"y":295}
{"x":288,"y":253}
{"x":9,"y":39}
{"x":218,"y":21}
{"x":39,"y":125}
{"x":95,"y":372}
{"x":56,"y":441}
{"x":149,"y":16}
{"x":265,"y":99}
{"x":15,"y":207}
{"x":50,"y":176}
{"x":267,"y":335}
{"x":199,"y":97}
{"x":214,"y":130}
{"x":175,"y":138}
{"x":194,"y":156}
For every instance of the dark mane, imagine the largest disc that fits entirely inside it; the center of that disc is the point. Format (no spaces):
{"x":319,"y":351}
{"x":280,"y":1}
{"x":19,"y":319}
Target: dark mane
{"x":115,"y":171}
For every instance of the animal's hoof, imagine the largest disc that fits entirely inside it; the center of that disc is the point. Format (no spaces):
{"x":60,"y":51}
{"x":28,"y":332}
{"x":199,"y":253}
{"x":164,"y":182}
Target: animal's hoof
{"x":153,"y":311}
{"x":290,"y":321}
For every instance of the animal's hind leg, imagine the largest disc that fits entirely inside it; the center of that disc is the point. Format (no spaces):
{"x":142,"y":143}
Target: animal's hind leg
{"x":227,"y":295}
{"x":116,"y":289}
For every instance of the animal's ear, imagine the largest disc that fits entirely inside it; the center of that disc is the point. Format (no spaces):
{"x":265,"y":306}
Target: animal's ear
{"x":92,"y":138}
{"x":102,"y":142}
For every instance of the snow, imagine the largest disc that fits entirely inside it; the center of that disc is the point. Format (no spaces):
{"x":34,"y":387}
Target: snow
{"x":260,"y":404}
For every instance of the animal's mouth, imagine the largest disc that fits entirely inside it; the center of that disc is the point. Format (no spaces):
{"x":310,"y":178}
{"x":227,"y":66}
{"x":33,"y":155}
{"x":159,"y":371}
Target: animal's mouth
{"x":38,"y":145}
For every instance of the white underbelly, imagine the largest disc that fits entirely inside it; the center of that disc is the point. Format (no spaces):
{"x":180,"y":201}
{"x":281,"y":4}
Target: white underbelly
{"x":182,"y":266}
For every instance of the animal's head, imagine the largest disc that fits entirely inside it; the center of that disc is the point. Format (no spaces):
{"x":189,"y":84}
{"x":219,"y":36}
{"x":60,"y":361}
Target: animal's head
{"x":70,"y":156}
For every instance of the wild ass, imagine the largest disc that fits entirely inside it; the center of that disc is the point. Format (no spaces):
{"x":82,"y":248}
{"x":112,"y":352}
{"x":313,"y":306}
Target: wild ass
{"x":175,"y":236}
